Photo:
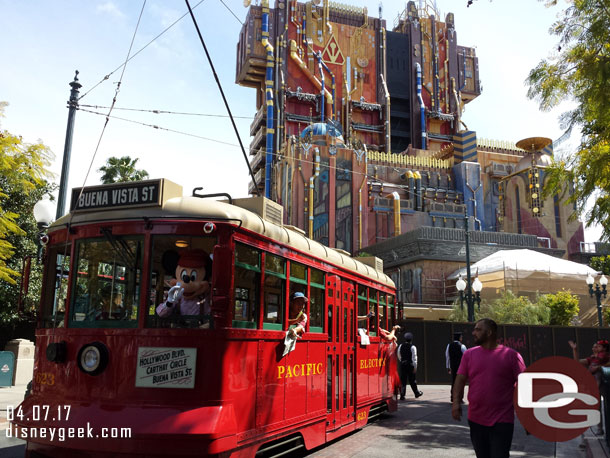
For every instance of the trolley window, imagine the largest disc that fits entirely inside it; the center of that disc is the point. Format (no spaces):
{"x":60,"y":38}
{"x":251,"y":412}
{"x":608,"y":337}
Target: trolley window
{"x":106,"y":282}
{"x":391,"y":311}
{"x":56,"y":286}
{"x":181,"y":259}
{"x":316,"y":302}
{"x":274,"y":292}
{"x":373,"y":307}
{"x":362,"y":309}
{"x":382,"y":312}
{"x":298,"y":283}
{"x":247,"y":286}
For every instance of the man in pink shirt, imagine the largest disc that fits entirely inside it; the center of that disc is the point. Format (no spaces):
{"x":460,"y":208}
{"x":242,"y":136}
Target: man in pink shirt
{"x":492,"y":372}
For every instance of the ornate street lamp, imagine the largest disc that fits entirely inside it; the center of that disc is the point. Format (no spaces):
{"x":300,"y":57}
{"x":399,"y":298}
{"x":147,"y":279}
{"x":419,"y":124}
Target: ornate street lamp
{"x":43,"y":214}
{"x":471,"y":298}
{"x":598,"y":292}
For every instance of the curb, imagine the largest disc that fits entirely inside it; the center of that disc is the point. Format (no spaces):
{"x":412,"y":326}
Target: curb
{"x":595,"y":449}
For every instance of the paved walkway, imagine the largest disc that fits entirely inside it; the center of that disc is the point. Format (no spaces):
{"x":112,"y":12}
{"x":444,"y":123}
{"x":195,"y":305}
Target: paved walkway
{"x":425,"y":428}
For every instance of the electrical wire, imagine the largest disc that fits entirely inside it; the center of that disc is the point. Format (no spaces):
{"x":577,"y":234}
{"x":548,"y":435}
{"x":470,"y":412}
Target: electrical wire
{"x":184,"y":113}
{"x":372,"y":179}
{"x":139,"y":51}
{"x":231,"y":11}
{"x":223,"y":95}
{"x":116,"y":93}
{"x":154,"y":126}
{"x":277,"y":155}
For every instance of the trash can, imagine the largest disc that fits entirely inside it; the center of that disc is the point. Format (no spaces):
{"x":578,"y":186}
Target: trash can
{"x":605,"y":394}
{"x":7,"y":368}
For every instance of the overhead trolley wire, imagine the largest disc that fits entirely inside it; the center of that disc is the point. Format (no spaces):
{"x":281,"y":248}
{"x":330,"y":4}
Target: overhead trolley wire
{"x":231,"y":11}
{"x":154,"y":126}
{"x":139,"y":51}
{"x":184,"y":113}
{"x":373,"y":181}
{"x":116,"y":94}
{"x":99,"y":141}
{"x":223,"y":96}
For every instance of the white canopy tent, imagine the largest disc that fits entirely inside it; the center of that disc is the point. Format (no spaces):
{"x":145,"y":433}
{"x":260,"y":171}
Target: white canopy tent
{"x":525,"y":261}
{"x":528,"y":273}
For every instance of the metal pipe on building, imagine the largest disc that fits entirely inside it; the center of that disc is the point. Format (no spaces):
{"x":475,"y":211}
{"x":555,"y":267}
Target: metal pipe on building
{"x":387,"y":114}
{"x":268,"y":96}
{"x":422,"y":107}
{"x":311,"y":188}
{"x":396,"y":213}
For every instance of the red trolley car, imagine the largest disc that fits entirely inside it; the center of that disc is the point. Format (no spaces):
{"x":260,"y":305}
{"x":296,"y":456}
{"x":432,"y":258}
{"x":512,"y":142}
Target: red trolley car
{"x":113,"y":378}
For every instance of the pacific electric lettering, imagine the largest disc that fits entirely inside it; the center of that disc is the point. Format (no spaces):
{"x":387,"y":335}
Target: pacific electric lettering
{"x":299,"y":370}
{"x":374,"y":362}
{"x":126,"y":196}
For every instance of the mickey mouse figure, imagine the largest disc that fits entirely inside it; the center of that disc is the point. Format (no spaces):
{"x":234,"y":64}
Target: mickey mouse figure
{"x":190,"y":291}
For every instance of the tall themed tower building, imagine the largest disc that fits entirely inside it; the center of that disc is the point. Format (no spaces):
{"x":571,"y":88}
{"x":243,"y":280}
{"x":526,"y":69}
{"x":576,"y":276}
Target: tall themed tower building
{"x":359,"y":135}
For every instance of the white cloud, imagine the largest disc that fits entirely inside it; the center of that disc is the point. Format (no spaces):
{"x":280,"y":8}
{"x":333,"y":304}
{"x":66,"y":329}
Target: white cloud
{"x":110,"y":8}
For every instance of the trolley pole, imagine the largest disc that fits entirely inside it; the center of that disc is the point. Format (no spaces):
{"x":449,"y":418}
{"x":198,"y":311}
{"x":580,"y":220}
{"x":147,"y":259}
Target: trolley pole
{"x":65,"y":166}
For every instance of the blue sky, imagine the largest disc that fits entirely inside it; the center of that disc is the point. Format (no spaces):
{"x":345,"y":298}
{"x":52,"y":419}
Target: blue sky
{"x":44,"y":41}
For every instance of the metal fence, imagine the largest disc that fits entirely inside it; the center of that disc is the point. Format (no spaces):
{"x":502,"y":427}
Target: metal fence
{"x":532,"y":342}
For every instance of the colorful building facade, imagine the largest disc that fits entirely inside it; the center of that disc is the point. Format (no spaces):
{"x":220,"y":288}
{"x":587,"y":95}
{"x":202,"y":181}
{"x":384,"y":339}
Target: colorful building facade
{"x":359,"y":135}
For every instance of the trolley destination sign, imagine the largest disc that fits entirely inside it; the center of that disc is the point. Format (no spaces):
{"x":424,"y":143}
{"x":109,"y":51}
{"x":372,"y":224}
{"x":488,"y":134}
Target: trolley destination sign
{"x":117,"y":195}
{"x":166,"y":367}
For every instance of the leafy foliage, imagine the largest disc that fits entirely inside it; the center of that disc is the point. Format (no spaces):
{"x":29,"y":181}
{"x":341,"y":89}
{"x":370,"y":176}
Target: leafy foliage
{"x":507,"y":309}
{"x":22,"y":183}
{"x":601,"y":264}
{"x":563,"y":305}
{"x":22,"y":171}
{"x":120,"y":170}
{"x":579,"y":71}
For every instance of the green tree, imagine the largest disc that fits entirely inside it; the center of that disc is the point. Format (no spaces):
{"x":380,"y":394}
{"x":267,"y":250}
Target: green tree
{"x":579,"y":71}
{"x":601,"y":264}
{"x":563,"y":305}
{"x":23,"y":182}
{"x":506,"y":309}
{"x":120,"y":170}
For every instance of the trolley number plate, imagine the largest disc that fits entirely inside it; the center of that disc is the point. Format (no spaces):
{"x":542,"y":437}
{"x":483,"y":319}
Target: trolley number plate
{"x":45,"y":378}
{"x":361,"y":415}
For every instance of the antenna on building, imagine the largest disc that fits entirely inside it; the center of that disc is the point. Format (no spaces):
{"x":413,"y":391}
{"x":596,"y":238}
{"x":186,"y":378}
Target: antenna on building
{"x":380,"y":10}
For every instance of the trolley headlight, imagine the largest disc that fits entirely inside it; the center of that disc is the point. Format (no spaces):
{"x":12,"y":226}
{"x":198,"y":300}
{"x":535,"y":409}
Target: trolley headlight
{"x":93,"y":358}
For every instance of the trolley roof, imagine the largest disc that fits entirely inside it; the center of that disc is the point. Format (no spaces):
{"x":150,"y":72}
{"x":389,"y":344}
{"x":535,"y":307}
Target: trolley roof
{"x":185,"y":208}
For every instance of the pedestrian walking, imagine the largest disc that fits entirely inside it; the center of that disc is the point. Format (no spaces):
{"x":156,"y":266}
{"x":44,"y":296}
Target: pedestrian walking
{"x":453,"y":358}
{"x":407,"y":366}
{"x":492,"y":372}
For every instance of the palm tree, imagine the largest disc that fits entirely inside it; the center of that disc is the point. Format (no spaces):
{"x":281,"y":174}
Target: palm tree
{"x":120,"y":170}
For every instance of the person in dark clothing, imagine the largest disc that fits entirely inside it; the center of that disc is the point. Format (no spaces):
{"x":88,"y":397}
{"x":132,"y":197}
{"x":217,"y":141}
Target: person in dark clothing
{"x":407,"y":357}
{"x":453,"y":358}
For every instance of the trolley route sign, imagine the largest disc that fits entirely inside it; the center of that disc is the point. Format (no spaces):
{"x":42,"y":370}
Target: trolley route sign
{"x":166,"y":367}
{"x":117,"y":195}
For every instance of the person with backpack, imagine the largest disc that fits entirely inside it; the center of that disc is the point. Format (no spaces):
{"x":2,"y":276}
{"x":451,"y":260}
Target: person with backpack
{"x":407,"y":366}
{"x":453,"y":358}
